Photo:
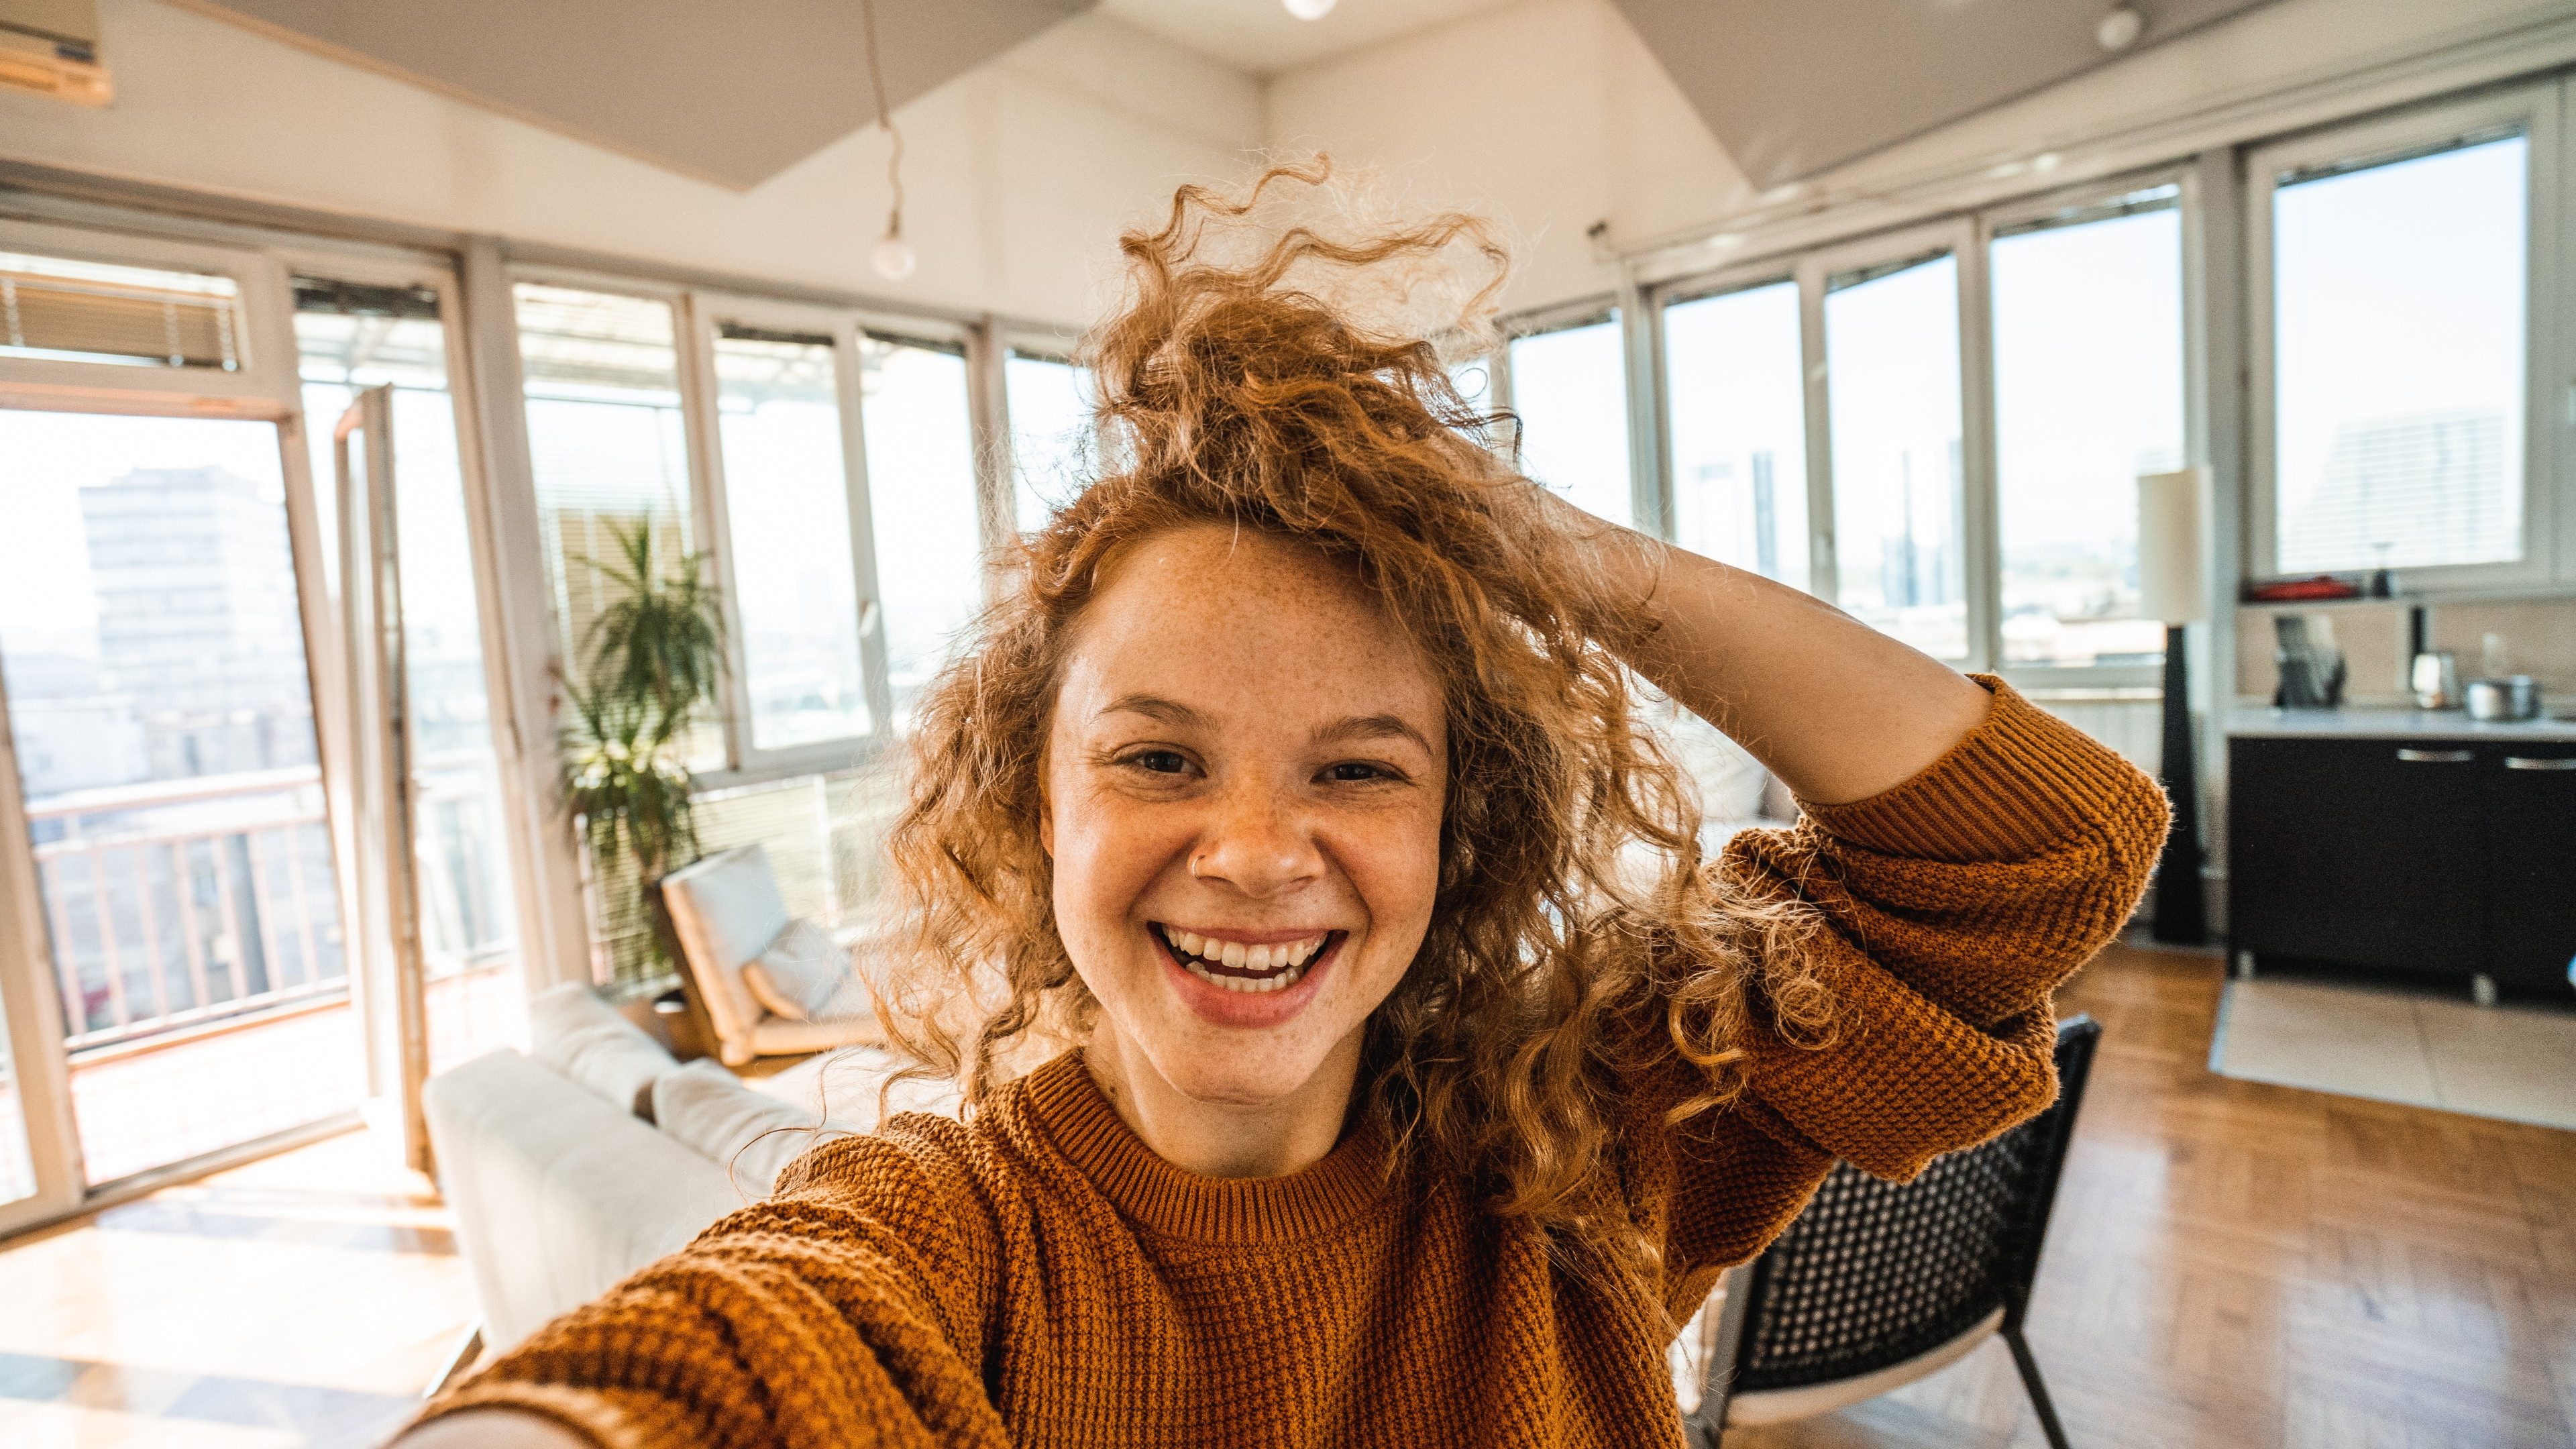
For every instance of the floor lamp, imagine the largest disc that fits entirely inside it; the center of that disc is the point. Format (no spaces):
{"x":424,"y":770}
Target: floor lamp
{"x":2171,"y":589}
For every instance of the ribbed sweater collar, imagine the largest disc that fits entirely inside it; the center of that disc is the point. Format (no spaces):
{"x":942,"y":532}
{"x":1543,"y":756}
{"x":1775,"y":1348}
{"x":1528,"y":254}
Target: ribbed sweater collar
{"x":1068,"y":1106}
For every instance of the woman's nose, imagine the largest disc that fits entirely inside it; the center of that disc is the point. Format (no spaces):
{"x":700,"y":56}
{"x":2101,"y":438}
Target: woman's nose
{"x":1258,"y":844}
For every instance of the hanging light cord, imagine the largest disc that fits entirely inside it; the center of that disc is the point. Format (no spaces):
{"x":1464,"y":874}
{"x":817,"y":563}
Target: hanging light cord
{"x":885,"y":118}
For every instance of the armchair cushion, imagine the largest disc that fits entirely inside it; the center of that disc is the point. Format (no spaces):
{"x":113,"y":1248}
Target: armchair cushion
{"x":725,"y":910}
{"x":799,"y":973}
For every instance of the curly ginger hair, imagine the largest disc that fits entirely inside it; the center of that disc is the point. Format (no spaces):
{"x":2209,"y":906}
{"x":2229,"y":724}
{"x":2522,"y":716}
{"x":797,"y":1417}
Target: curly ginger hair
{"x":1572,"y":898}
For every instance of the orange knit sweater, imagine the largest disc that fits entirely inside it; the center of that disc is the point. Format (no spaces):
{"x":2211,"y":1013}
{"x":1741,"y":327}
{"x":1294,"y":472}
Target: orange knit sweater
{"x":1039,"y":1277}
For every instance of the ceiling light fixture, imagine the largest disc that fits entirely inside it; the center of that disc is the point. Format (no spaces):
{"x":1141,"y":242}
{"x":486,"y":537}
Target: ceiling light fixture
{"x":1309,"y":9}
{"x":2121,"y":28}
{"x":893,"y":256}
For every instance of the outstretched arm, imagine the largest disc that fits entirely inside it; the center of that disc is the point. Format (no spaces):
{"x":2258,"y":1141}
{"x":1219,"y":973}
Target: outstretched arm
{"x":849,"y":1310}
{"x":1836,"y":709}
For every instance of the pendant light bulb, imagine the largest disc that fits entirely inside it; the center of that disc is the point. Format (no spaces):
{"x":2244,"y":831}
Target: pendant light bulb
{"x":1309,"y":9}
{"x":2121,"y":28}
{"x":893,"y":257}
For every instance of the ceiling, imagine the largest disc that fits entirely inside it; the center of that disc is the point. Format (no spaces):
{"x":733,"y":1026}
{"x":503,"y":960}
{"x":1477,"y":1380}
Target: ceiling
{"x":1791,"y":89}
{"x":732,"y":93}
{"x":1260,"y":36}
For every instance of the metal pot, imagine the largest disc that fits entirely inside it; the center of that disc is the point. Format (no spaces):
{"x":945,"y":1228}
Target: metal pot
{"x":2511,"y":698}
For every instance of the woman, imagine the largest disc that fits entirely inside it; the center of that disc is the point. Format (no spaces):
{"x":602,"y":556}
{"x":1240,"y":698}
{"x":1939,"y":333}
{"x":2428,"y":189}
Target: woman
{"x":1425,"y":1075}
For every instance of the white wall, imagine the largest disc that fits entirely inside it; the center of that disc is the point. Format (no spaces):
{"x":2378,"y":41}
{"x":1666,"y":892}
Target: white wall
{"x":1546,"y":116}
{"x":1017,"y":175}
{"x":1551,"y":115}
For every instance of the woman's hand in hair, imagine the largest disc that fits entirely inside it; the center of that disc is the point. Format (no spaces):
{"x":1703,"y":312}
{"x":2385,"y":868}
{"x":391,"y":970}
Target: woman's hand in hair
{"x":1836,"y":709}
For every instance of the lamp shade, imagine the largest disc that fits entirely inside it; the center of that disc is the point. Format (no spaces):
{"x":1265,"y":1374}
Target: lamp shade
{"x":2170,"y":588}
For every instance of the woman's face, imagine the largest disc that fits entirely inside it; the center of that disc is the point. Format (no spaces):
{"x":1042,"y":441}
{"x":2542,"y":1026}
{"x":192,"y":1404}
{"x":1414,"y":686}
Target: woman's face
{"x":1243,"y":789}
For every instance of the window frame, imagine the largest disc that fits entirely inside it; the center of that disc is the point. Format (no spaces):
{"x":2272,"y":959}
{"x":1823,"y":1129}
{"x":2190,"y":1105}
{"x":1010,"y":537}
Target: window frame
{"x":2539,"y":110}
{"x":266,"y":386}
{"x":1598,"y":309}
{"x":1968,"y":236}
{"x":2068,"y":206}
{"x":985,"y":400}
{"x":1002,"y":506}
{"x":1962,"y":239}
{"x":1654,"y":302}
{"x":696,"y":313}
{"x":745,"y":762}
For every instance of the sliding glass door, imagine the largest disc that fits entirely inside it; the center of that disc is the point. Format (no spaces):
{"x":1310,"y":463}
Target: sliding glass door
{"x":191,"y":934}
{"x":162,"y":712}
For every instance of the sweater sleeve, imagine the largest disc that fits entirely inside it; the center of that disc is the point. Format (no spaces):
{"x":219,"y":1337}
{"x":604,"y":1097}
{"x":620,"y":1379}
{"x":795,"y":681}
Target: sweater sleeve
{"x":1952,"y":907}
{"x":849,"y":1309}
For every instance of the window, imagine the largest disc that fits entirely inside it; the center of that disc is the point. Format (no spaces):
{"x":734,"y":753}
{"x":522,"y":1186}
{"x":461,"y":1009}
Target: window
{"x":1050,"y":402}
{"x":787,"y":515}
{"x":921,"y":503}
{"x":608,"y":444}
{"x":1569,"y":388}
{"x":61,"y":309}
{"x":1736,"y":377}
{"x":2399,"y":297}
{"x":1892,"y":386}
{"x":2088,"y":396}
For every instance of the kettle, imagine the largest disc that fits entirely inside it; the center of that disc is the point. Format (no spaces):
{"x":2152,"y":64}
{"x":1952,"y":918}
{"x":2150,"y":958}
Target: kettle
{"x":2436,"y":679}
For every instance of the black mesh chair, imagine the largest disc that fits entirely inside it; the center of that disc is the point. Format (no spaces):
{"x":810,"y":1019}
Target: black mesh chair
{"x":1878,"y":1284}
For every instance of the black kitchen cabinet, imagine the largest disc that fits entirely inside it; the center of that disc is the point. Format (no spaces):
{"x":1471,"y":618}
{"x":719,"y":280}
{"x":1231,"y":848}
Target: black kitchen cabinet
{"x":2451,"y":856}
{"x":2531,"y":876}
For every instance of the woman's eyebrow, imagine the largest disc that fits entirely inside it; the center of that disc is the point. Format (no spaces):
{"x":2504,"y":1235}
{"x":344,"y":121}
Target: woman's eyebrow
{"x":1370,"y":727}
{"x":1154,"y":706}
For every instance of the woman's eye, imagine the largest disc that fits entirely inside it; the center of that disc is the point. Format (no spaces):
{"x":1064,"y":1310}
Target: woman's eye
{"x":1160,"y":762}
{"x":1352,"y":771}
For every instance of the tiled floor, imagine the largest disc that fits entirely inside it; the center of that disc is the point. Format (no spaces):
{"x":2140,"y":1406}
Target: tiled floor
{"x":2517,"y":1063}
{"x":303,"y":1300}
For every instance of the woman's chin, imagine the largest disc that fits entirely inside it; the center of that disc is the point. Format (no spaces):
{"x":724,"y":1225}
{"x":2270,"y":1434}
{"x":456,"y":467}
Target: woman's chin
{"x":1237,"y":1079}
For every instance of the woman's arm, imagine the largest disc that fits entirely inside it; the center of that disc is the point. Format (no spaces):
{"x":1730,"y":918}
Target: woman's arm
{"x":491,"y":1429}
{"x":1836,"y":709}
{"x":853,"y":1306}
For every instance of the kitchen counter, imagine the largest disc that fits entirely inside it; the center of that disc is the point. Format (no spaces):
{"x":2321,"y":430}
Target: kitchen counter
{"x":2254,"y":721}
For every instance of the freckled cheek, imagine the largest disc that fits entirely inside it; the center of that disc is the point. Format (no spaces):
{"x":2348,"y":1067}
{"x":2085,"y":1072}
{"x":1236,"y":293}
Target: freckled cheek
{"x":1107,"y":855}
{"x":1395,"y":868}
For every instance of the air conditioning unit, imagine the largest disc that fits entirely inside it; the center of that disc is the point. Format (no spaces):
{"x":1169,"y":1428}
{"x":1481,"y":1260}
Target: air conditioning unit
{"x":50,"y":47}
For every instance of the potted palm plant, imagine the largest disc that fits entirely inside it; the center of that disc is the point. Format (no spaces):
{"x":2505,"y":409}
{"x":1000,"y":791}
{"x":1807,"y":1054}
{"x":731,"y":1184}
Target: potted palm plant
{"x":649,"y":671}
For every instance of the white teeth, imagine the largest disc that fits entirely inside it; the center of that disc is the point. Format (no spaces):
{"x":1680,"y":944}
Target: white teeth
{"x":1298,"y":951}
{"x":1233,"y":955}
{"x":1189,"y":941}
{"x":1250,"y":984}
{"x":1257,"y":959}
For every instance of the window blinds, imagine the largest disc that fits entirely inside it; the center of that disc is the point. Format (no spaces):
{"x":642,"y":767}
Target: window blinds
{"x":65,"y":310}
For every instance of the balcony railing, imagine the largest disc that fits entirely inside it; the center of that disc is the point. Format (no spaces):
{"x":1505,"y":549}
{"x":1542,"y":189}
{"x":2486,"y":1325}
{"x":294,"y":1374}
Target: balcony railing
{"x":180,"y":903}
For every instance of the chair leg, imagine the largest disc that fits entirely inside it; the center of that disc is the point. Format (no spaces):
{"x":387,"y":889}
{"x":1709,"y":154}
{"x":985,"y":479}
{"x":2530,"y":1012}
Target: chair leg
{"x":2030,"y":1380}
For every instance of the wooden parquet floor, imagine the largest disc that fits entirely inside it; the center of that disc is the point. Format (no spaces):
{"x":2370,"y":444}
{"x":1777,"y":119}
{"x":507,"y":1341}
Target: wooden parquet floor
{"x":2243,"y":1266}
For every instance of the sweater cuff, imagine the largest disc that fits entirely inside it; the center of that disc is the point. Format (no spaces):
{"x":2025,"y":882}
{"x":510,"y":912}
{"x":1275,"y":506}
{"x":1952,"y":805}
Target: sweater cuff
{"x":2021,"y":784}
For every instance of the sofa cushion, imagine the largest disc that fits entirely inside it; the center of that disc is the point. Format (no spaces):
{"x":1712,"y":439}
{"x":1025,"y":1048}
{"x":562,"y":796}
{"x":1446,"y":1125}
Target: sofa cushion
{"x":558,"y":1195}
{"x":842,"y":1085}
{"x":798,"y":974}
{"x":571,"y":1030}
{"x":752,"y":1136}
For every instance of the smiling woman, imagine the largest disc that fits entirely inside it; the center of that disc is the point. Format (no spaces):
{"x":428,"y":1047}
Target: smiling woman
{"x":1357,"y":1047}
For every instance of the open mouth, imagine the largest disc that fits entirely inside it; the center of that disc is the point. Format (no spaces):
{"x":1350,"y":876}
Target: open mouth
{"x":1238,"y":967}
